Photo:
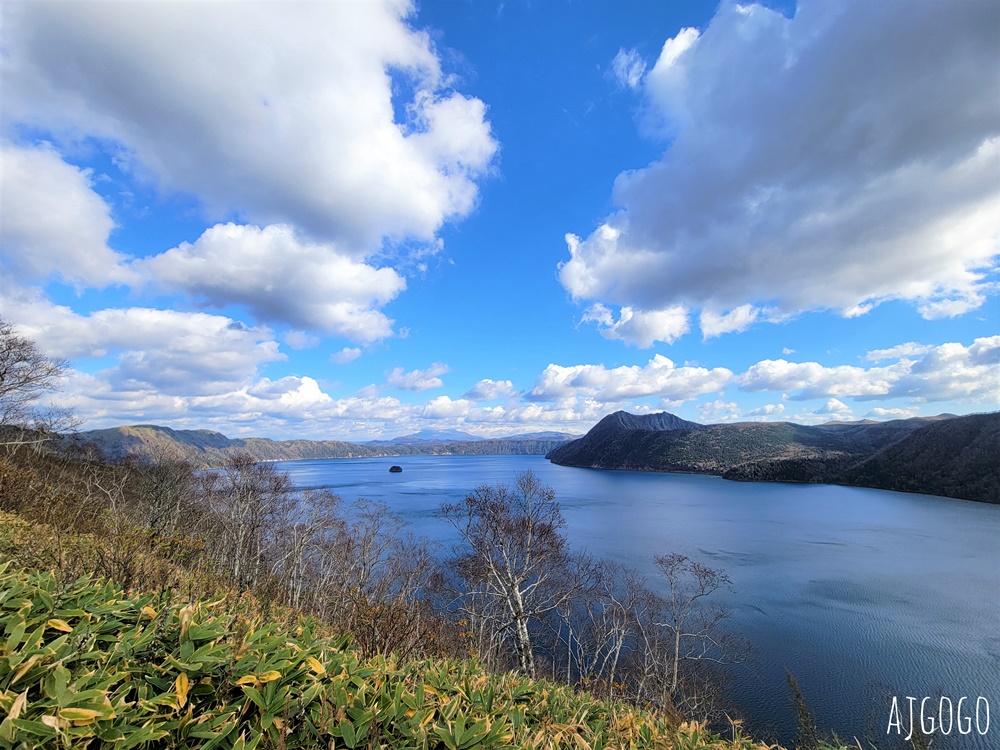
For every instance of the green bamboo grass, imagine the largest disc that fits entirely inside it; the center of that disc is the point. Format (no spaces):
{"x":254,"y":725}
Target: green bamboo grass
{"x":84,"y":665}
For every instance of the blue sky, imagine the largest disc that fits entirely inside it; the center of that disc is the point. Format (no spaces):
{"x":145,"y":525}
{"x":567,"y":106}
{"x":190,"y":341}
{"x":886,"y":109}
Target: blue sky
{"x":358,"y":220}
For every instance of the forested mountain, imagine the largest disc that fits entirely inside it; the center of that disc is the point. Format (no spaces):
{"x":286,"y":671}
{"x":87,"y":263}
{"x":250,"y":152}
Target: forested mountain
{"x":952,"y":456}
{"x":205,"y":448}
{"x":957,"y":457}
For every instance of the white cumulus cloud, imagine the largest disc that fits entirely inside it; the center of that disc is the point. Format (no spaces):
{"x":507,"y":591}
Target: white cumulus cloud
{"x":825,"y":161}
{"x":345,"y":355}
{"x":812,"y":380}
{"x":490,"y":390}
{"x":54,"y":223}
{"x":719,"y":411}
{"x":333,"y":117}
{"x":739,"y":319}
{"x":443,"y":407}
{"x":418,"y":380}
{"x":641,"y":328}
{"x":767,"y":410}
{"x":280,"y":277}
{"x":950,"y":371}
{"x":836,"y":409}
{"x":895,"y":413}
{"x":909,"y":349}
{"x":170,"y":351}
{"x":658,"y":377}
{"x":953,"y":371}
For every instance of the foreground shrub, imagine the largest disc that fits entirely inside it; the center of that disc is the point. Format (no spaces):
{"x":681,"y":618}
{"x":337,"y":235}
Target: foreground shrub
{"x":82,"y":665}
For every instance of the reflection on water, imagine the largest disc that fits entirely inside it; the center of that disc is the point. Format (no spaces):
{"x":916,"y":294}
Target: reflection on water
{"x":861,"y":594}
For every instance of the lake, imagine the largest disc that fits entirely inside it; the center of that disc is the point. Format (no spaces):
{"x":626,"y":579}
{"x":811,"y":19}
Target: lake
{"x":863,"y":594}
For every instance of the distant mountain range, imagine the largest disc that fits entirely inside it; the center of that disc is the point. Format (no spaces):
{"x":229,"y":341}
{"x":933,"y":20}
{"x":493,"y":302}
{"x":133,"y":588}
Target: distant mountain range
{"x":205,"y":448}
{"x":457,"y":436}
{"x":945,"y":455}
{"x":429,"y":436}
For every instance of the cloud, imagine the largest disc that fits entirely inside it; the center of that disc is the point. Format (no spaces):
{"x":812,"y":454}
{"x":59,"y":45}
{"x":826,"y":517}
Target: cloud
{"x":767,"y":410}
{"x":820,"y":162}
{"x":280,"y":277}
{"x":809,"y":380}
{"x":898,"y":413}
{"x":737,"y":320}
{"x":291,"y":392}
{"x":54,"y":223}
{"x":835,"y":408}
{"x":947,"y":372}
{"x":282,"y":407}
{"x":301,"y":340}
{"x":443,"y":407}
{"x":639,"y":327}
{"x":628,"y":68}
{"x":909,"y":349}
{"x":659,"y":377}
{"x":490,"y":390}
{"x":169,"y":351}
{"x":954,"y":372}
{"x":719,"y":411}
{"x":418,"y":380}
{"x":345,"y":355}
{"x":333,"y":117}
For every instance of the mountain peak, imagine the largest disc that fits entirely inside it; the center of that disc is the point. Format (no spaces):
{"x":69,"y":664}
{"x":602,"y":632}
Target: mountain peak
{"x":647,"y":422}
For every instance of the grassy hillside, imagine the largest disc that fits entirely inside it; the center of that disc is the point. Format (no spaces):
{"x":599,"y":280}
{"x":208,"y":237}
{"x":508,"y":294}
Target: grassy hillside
{"x":86,"y":665}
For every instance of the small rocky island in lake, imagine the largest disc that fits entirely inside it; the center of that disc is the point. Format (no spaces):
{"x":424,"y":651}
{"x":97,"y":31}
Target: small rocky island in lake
{"x":395,"y":469}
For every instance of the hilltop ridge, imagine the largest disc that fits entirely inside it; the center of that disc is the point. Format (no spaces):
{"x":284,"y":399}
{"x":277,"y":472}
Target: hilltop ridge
{"x":652,"y":422}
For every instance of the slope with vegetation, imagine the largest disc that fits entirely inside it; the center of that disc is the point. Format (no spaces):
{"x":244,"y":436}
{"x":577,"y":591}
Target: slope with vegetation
{"x":951,"y":456}
{"x":515,"y":595}
{"x":87,"y":665}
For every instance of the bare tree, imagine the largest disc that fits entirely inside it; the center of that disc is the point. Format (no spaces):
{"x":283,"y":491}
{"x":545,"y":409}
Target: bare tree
{"x":692,"y":626}
{"x":301,"y":544}
{"x":595,"y":630}
{"x":27,"y":374}
{"x":512,"y":561}
{"x":248,"y":499}
{"x":164,"y":492}
{"x":681,"y":639}
{"x":355,"y":569}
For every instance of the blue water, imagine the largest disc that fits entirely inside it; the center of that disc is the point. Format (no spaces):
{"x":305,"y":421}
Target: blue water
{"x":862,"y":594}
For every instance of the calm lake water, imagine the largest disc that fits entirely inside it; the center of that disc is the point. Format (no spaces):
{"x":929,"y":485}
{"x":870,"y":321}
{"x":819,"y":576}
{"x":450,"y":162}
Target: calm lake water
{"x":862,"y":594}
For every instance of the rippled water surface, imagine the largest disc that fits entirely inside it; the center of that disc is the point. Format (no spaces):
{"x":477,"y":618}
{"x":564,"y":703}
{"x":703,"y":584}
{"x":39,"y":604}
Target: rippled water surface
{"x":862,"y":594}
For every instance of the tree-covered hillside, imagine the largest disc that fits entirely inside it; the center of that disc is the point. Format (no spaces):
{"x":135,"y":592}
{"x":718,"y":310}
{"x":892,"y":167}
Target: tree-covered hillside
{"x":951,"y":456}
